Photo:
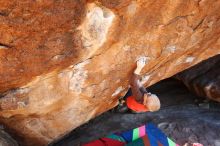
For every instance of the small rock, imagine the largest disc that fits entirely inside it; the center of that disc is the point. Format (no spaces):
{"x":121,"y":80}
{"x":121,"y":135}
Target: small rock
{"x":204,"y":105}
{"x":163,"y":125}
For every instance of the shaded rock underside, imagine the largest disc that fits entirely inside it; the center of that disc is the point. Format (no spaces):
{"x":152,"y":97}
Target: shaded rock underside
{"x":203,"y":78}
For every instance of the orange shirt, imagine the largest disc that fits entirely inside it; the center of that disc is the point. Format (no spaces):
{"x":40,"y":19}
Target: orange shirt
{"x":134,"y":105}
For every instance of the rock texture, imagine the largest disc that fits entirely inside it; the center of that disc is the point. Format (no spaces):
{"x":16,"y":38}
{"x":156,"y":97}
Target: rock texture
{"x":6,"y":139}
{"x":204,"y":78}
{"x":65,"y":62}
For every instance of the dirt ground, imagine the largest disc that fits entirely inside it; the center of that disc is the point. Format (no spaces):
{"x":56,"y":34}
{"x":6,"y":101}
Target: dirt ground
{"x":183,"y":117}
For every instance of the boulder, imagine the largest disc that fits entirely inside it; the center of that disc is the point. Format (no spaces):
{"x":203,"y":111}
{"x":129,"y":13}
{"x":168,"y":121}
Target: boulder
{"x":65,"y":62}
{"x":204,"y":78}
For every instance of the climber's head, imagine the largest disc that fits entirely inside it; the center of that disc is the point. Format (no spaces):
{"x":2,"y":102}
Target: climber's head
{"x":152,"y":102}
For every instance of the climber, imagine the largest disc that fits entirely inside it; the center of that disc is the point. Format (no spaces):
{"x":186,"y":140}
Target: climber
{"x":141,"y":100}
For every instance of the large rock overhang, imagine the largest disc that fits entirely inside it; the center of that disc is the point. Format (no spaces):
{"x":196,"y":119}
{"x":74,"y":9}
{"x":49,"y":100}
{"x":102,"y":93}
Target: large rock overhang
{"x":65,"y":62}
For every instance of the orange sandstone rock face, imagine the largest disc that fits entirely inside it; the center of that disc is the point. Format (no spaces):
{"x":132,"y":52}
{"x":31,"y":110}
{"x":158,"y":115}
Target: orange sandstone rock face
{"x":65,"y":62}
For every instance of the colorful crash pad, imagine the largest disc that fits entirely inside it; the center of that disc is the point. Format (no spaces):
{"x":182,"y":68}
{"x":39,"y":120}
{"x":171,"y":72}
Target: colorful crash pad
{"x":146,"y":135}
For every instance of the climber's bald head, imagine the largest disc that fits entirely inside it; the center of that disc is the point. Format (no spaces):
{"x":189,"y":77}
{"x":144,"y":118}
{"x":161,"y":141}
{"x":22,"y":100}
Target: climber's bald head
{"x":152,"y":102}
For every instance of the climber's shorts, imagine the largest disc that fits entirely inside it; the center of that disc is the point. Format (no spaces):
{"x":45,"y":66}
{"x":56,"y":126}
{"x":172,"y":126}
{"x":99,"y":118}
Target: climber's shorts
{"x":133,"y":105}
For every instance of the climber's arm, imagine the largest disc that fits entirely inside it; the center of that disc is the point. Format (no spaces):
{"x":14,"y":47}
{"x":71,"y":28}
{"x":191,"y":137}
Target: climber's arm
{"x":136,"y":87}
